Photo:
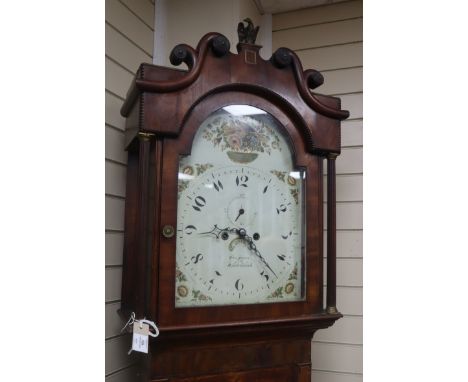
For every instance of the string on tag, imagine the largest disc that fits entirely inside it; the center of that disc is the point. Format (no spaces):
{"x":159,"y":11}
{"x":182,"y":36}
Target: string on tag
{"x":151,"y":324}
{"x":141,"y":330}
{"x":129,"y":323}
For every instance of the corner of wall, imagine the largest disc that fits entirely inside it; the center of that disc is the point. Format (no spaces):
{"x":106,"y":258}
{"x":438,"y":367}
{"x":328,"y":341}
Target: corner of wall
{"x":160,"y":32}
{"x":168,"y":32}
{"x":265,"y":36}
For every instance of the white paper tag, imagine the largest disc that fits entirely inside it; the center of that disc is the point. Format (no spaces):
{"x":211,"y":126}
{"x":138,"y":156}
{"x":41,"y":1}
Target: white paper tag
{"x":140,"y":337}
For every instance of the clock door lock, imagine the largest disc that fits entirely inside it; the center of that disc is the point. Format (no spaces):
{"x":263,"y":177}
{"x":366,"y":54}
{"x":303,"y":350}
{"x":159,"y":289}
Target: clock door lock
{"x":168,"y":231}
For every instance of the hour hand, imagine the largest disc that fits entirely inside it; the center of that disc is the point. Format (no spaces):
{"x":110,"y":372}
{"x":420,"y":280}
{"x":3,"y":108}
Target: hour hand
{"x":217,"y":232}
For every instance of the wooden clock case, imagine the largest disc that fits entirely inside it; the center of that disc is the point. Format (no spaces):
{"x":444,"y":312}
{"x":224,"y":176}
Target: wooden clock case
{"x":164,"y":108}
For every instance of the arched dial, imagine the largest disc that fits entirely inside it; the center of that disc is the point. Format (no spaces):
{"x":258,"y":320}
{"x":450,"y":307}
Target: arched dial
{"x":238,"y":236}
{"x":240,"y":219}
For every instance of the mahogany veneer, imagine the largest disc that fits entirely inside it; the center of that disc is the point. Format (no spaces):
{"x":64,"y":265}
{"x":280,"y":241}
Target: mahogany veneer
{"x":164,"y":107}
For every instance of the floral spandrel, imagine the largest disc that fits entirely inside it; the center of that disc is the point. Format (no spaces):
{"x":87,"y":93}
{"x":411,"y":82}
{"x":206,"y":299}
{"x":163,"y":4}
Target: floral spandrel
{"x":279,"y":174}
{"x":295,"y":194}
{"x":284,"y":177}
{"x":179,"y":275}
{"x":182,"y":186}
{"x":201,"y":168}
{"x":242,"y":134}
{"x":199,"y":296}
{"x":197,"y":169}
{"x":278,"y":293}
{"x":288,"y":288}
{"x":293,"y":275}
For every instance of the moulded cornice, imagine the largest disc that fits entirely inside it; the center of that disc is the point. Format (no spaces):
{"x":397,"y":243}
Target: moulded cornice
{"x":211,"y":67}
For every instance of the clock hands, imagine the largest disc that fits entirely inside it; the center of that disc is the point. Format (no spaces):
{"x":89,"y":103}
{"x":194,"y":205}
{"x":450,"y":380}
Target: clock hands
{"x":217,"y":232}
{"x":241,"y":212}
{"x":242,"y":233}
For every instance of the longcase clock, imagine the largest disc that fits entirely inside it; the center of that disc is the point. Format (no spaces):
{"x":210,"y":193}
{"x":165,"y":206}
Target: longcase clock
{"x":224,"y":213}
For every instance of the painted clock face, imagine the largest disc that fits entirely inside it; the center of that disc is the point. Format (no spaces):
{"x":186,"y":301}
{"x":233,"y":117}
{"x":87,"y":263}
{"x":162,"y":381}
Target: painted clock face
{"x":240,"y":214}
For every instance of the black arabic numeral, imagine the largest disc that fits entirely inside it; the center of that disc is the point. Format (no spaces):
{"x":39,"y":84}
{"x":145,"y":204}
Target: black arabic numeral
{"x":265,"y":275}
{"x":199,"y":202}
{"x":241,"y":181}
{"x":212,"y":280}
{"x":189,"y":229}
{"x":282,"y":208}
{"x":286,"y":236}
{"x":218,"y":185}
{"x":197,"y":258}
{"x":239,"y":286}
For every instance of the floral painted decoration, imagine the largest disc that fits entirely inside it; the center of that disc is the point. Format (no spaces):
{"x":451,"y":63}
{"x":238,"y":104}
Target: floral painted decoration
{"x":183,"y":184}
{"x":198,"y":296}
{"x":278,"y":293}
{"x":279,"y":174}
{"x":201,"y":168}
{"x":241,"y":134}
{"x":179,"y":275}
{"x":295,"y":194}
{"x":288,"y":288}
{"x":293,"y":275}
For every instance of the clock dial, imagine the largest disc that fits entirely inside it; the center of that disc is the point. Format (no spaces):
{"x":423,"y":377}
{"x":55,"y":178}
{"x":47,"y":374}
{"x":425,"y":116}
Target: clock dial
{"x":240,"y":214}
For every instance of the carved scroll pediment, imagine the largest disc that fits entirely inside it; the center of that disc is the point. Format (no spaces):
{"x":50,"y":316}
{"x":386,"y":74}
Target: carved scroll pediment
{"x":212,"y":68}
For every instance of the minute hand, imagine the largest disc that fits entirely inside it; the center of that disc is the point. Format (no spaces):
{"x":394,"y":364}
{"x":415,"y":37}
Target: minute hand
{"x":243,"y":234}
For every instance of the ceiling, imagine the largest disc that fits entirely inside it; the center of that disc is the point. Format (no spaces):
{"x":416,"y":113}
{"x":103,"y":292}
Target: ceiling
{"x":278,"y":6}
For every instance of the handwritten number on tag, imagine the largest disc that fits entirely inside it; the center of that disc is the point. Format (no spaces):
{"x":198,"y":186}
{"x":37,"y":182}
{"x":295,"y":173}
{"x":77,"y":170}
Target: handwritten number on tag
{"x":140,"y":337}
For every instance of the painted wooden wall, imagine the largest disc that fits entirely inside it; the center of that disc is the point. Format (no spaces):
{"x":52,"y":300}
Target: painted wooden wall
{"x":182,"y":21}
{"x":329,"y":38}
{"x":129,"y":30}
